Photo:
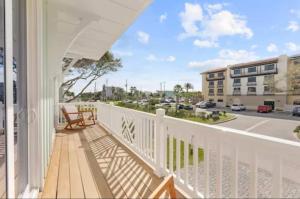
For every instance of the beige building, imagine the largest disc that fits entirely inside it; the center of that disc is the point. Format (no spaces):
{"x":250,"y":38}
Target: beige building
{"x":214,"y":86}
{"x":274,"y":82}
{"x":293,"y":97}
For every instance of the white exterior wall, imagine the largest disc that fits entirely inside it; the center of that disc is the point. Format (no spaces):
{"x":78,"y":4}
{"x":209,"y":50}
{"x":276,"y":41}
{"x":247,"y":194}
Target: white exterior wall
{"x":281,"y":77}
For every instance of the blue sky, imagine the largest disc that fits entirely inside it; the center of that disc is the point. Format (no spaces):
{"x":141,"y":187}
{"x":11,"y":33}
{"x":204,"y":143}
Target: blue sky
{"x":174,"y":41}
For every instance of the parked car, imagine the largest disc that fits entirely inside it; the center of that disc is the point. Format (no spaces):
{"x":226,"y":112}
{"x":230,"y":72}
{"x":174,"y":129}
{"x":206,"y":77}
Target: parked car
{"x":238,"y":107}
{"x":296,"y":111}
{"x":207,"y":105}
{"x":264,"y":109}
{"x":188,"y":107}
{"x":198,"y":104}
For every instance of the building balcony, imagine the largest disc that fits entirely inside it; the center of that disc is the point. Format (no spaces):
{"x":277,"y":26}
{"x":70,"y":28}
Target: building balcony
{"x":127,"y":151}
{"x":251,"y":93}
{"x":211,"y":86}
{"x":215,"y":78}
{"x":251,"y":83}
{"x":236,"y":93}
{"x":211,"y":94}
{"x":220,"y":94}
{"x":220,"y":85}
{"x":236,"y":84}
{"x":257,"y":73}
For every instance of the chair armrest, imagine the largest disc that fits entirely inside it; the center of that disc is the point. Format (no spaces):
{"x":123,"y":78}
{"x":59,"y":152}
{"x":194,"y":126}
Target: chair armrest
{"x":166,"y":185}
{"x":74,"y":113}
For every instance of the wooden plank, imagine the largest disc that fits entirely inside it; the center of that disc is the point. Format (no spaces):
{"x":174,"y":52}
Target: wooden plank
{"x":75,"y":177}
{"x":89,"y":186}
{"x":50,"y":188}
{"x":63,"y":188}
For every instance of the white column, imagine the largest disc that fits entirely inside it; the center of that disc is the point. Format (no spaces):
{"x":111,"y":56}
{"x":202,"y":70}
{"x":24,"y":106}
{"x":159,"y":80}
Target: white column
{"x":9,"y":106}
{"x":159,"y":142}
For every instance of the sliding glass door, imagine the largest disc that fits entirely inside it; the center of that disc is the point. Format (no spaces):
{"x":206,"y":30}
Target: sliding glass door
{"x":2,"y":107}
{"x":13,"y":99}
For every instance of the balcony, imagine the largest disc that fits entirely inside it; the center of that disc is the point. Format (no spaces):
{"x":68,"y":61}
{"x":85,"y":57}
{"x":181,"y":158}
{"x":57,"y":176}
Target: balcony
{"x":220,"y":85}
{"x":127,"y":152}
{"x":236,"y":93}
{"x":251,"y":83}
{"x":211,"y":94}
{"x":211,"y":86}
{"x":216,"y":77}
{"x":259,"y":71}
{"x":251,"y":93}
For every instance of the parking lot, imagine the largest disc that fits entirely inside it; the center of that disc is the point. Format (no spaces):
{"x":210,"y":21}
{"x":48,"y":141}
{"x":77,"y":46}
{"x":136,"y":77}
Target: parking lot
{"x":275,"y":124}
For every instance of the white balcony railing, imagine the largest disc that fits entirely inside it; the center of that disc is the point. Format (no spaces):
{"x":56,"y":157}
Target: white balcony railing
{"x":207,"y":160}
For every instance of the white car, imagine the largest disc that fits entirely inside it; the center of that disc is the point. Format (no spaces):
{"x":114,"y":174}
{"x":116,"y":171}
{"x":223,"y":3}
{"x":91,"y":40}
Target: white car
{"x":238,"y":107}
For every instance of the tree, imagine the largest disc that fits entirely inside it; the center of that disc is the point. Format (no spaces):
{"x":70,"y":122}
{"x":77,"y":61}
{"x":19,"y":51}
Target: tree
{"x":188,"y":86}
{"x":178,"y":91}
{"x":89,"y":71}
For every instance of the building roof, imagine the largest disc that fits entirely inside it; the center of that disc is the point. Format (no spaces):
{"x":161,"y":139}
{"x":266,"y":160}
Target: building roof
{"x":253,"y":63}
{"x":215,"y":70}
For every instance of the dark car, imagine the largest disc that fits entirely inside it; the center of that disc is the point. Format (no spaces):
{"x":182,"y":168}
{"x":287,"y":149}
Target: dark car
{"x":207,"y":105}
{"x":296,"y":111}
{"x":188,"y":107}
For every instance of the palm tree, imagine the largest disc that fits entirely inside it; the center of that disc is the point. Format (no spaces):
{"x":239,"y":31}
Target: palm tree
{"x":177,"y":90}
{"x":188,"y":86}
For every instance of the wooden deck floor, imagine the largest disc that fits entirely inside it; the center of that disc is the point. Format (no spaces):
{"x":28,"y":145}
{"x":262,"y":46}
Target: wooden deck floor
{"x":90,"y":163}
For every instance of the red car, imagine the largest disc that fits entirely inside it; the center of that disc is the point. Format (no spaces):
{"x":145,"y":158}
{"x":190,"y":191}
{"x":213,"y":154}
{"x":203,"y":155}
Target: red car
{"x":264,"y":109}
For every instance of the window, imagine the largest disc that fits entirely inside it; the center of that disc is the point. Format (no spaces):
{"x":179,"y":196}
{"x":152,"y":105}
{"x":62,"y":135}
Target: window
{"x":221,"y":74}
{"x":252,"y":70}
{"x":251,"y":79}
{"x":296,"y":102}
{"x":267,"y":89}
{"x":211,"y":91}
{"x":211,"y":75}
{"x":237,"y":81}
{"x":211,"y":83}
{"x":268,"y":79}
{"x":269,"y":67}
{"x":220,"y":82}
{"x":220,"y":91}
{"x":252,"y":89}
{"x":237,"y":91}
{"x":237,"y":71}
{"x":220,"y":100}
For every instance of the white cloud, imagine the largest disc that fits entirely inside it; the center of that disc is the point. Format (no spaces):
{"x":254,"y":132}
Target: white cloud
{"x":151,"y":57}
{"x":143,"y":37}
{"x":293,"y":26}
{"x":295,"y":12}
{"x":205,"y":44}
{"x":170,"y":59}
{"x":211,"y":8}
{"x":217,"y":23}
{"x":154,"y":58}
{"x":225,"y":57}
{"x":224,"y":23}
{"x":191,"y":15}
{"x":272,"y":47}
{"x":163,"y":17}
{"x":254,"y":46}
{"x":120,"y":53}
{"x":292,"y":46}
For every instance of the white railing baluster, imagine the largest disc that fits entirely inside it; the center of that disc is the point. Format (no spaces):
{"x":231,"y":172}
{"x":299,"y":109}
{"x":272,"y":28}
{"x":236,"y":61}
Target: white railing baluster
{"x":178,"y":158}
{"x":171,"y":153}
{"x":195,"y":164}
{"x":206,"y":169}
{"x":186,"y":161}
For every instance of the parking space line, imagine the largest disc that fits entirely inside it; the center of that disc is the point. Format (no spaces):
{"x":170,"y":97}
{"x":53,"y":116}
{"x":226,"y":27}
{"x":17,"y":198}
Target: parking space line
{"x":256,"y":125}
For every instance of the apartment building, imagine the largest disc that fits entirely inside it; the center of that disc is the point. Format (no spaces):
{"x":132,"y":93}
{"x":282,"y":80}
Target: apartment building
{"x":293,"y":97}
{"x":214,"y":84}
{"x":261,"y":82}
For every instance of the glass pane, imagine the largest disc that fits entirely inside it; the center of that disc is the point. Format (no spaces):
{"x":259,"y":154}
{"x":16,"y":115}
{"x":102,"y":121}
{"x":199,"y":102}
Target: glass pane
{"x":19,"y":92}
{"x":2,"y":110}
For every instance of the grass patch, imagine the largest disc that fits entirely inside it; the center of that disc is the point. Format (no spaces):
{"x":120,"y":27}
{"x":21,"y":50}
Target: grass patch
{"x":297,"y":131}
{"x":182,"y":155}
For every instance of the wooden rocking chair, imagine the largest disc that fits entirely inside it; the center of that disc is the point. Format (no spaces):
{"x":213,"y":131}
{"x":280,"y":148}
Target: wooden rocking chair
{"x":74,"y":116}
{"x":167,"y":186}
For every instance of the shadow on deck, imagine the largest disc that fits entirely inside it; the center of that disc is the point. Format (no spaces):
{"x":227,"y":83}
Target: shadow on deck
{"x":90,"y":163}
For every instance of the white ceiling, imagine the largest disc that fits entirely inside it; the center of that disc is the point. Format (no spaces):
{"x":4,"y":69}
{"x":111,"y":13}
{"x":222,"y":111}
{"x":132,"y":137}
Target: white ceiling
{"x":88,"y":28}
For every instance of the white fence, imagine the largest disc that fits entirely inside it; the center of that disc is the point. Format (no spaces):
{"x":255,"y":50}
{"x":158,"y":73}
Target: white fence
{"x":206,"y":160}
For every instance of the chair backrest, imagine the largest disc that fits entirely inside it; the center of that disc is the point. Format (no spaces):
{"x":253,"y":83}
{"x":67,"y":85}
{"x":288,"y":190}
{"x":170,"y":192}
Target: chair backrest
{"x":70,"y":109}
{"x":167,"y":186}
